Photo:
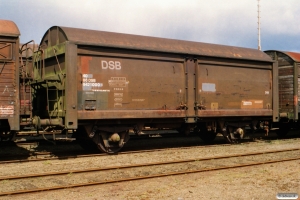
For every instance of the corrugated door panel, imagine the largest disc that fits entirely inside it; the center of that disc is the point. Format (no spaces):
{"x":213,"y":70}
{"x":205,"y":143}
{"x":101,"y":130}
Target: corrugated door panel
{"x":286,"y":88}
{"x":227,"y":88}
{"x":129,"y":83}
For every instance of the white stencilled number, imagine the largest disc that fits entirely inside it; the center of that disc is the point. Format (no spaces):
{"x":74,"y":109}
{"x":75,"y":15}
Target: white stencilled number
{"x":111,"y":65}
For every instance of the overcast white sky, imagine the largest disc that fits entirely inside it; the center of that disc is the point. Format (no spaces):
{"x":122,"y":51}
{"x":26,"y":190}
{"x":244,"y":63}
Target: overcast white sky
{"x":228,"y":22}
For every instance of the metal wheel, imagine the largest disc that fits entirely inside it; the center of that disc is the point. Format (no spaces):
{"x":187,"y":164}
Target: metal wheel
{"x":234,"y":134}
{"x":106,"y":145}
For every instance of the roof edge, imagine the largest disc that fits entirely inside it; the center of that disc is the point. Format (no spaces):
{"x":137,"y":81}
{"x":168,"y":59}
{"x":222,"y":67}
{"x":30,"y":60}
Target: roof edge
{"x":293,"y":55}
{"x":9,"y":28}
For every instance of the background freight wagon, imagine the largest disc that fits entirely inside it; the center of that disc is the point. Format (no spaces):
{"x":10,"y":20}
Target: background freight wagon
{"x":288,"y":81}
{"x":9,"y":79}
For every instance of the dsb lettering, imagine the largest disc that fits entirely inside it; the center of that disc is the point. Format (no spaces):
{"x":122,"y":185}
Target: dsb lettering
{"x":111,"y":65}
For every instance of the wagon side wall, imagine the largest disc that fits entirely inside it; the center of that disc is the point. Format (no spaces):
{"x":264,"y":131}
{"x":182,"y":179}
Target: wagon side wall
{"x":9,"y":82}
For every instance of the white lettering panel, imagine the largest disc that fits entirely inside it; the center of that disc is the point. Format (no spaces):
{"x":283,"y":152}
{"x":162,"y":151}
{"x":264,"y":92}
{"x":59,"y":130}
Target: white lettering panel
{"x":112,"y":65}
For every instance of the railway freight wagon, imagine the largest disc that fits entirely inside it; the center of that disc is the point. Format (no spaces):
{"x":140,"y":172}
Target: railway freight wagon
{"x":102,"y":84}
{"x":288,"y":80}
{"x":9,"y":79}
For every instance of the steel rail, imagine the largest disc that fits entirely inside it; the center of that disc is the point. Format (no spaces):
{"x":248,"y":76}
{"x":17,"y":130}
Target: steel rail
{"x":145,"y":177}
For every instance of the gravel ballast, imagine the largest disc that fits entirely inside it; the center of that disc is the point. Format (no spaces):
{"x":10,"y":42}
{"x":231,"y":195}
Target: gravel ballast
{"x":258,"y":182}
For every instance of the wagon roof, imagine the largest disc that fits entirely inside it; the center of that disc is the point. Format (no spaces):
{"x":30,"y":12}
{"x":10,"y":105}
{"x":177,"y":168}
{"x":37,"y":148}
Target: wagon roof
{"x":57,"y":34}
{"x":295,"y":56}
{"x":8,"y":28}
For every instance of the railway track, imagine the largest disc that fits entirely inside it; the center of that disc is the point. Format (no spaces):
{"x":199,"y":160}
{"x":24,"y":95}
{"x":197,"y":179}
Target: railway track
{"x":44,"y":156}
{"x":113,"y":174}
{"x":79,"y":154}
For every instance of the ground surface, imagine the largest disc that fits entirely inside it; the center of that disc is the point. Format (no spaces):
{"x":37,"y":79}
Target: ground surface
{"x":259,"y":182}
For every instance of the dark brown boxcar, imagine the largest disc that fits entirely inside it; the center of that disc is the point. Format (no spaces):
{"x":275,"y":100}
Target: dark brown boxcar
{"x":104,"y":84}
{"x":9,"y":79}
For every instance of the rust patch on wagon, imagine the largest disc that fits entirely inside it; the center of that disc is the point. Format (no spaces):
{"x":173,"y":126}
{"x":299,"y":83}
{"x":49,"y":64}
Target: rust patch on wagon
{"x":8,"y":28}
{"x":294,"y":55}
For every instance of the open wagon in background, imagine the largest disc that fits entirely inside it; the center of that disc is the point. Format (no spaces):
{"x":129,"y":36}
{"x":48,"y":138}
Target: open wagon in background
{"x":102,"y":84}
{"x":288,"y":81}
